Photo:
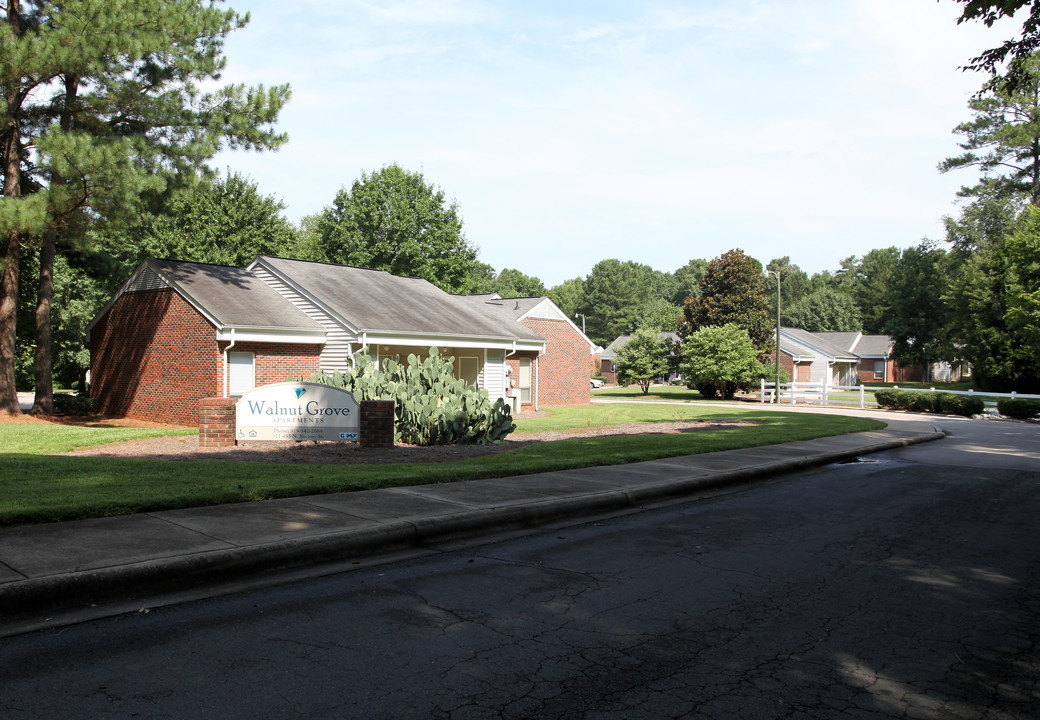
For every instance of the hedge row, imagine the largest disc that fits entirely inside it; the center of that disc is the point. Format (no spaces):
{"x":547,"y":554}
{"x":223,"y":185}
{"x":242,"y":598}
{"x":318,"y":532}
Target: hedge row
{"x":936,"y":402}
{"x":1019,"y":408}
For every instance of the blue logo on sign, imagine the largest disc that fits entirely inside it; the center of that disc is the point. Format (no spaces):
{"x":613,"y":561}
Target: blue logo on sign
{"x":300,"y":391}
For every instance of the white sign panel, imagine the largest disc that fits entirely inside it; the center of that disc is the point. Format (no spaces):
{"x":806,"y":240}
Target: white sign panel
{"x":297,"y":411}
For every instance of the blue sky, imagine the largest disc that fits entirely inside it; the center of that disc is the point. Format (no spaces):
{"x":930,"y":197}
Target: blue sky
{"x":654,"y":131}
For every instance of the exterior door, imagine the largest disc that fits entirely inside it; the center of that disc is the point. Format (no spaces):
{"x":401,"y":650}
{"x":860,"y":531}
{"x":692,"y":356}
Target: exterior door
{"x":241,"y":374}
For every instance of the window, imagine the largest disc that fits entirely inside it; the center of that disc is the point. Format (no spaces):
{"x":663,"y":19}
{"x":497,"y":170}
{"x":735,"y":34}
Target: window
{"x":879,"y":369}
{"x":525,"y":380}
{"x":241,"y":377}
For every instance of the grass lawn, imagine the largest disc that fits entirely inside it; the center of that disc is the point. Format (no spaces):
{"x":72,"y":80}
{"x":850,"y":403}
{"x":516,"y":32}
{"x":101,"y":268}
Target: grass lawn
{"x":657,"y":392}
{"x":38,"y":487}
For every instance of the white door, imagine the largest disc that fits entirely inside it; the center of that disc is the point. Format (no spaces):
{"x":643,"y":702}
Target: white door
{"x":242,"y":377}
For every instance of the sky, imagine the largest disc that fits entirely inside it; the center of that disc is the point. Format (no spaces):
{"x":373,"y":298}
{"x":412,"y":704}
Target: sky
{"x":658,"y":131}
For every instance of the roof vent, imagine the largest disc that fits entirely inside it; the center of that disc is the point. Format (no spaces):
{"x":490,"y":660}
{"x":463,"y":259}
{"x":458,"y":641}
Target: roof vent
{"x":517,"y":306}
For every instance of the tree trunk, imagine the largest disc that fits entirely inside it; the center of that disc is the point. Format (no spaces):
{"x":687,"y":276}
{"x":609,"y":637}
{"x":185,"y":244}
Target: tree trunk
{"x":43,"y":404}
{"x":44,"y":401}
{"x":12,"y":240}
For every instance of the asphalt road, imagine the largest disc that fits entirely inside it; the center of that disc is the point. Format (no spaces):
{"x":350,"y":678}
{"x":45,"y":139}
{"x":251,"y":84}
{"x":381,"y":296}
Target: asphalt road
{"x":906,"y":586}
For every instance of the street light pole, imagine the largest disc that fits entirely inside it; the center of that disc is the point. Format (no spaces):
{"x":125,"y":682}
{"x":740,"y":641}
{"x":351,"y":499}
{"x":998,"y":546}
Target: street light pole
{"x":776,"y":358}
{"x":577,"y":315}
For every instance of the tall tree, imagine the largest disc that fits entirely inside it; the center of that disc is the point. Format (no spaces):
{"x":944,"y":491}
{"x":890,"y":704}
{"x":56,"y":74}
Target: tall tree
{"x":824,"y":310}
{"x":1003,"y":138}
{"x":688,"y":279}
{"x":393,"y":220}
{"x":977,"y":291}
{"x":614,"y":293}
{"x":106,"y":93}
{"x":733,"y":291}
{"x":222,"y":220}
{"x":794,"y":282}
{"x":989,"y":12}
{"x":569,"y":296}
{"x":918,"y":320}
{"x":513,"y":283}
{"x":868,"y":281}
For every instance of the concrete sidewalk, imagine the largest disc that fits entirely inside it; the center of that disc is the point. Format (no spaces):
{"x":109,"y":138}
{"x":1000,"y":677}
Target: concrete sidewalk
{"x":58,"y":573}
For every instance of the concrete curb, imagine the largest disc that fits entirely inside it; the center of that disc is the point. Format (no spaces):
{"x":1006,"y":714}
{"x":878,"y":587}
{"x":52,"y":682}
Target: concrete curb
{"x":23,"y":601}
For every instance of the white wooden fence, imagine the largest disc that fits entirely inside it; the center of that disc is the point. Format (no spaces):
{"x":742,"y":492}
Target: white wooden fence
{"x":859,"y":395}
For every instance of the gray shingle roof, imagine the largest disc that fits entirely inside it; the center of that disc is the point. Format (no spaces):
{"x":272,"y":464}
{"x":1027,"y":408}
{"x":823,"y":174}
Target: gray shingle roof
{"x":376,"y":301}
{"x":815,"y":341}
{"x":233,"y":296}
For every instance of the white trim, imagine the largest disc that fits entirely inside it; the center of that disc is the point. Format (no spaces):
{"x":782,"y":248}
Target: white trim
{"x":271,"y":335}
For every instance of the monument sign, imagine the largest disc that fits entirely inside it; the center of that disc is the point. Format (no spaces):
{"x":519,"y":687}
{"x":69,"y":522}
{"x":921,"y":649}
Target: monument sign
{"x":297,"y":411}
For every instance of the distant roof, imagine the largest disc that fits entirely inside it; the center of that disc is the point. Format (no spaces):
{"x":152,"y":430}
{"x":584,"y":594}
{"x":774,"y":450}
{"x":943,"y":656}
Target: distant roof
{"x":611,"y":352}
{"x":813,"y":341}
{"x":376,"y":301}
{"x":874,"y":345}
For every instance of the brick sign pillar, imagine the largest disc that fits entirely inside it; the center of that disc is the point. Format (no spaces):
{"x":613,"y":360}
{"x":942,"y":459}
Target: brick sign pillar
{"x":216,"y":422}
{"x":377,"y":423}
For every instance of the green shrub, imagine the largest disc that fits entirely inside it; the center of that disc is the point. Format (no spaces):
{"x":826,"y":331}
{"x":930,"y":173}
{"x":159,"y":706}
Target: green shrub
{"x":1019,"y":408}
{"x":431,"y":405}
{"x":966,"y":405}
{"x":933,"y":402}
{"x":888,"y":398}
{"x":925,"y":402}
{"x":69,"y":404}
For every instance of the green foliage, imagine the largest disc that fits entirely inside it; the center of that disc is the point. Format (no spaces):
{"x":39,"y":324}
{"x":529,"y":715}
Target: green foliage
{"x":733,"y":291}
{"x":431,"y":405}
{"x":104,"y":103}
{"x":569,"y":296}
{"x":688,"y":280}
{"x":642,"y":359}
{"x":794,"y":283}
{"x":614,"y":292}
{"x":824,"y":310}
{"x":964,"y":405}
{"x":224,"y":221}
{"x":1001,"y":139}
{"x":988,"y":242}
{"x":393,"y":220}
{"x":659,"y":315}
{"x":918,"y":316}
{"x":69,"y":404}
{"x":933,"y":402}
{"x":512,"y":283}
{"x":718,"y":359}
{"x":868,"y":281}
{"x":1019,"y":408}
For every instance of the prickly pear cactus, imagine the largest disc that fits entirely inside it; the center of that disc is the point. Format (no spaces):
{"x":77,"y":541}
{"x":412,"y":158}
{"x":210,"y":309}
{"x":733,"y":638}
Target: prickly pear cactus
{"x":431,"y":405}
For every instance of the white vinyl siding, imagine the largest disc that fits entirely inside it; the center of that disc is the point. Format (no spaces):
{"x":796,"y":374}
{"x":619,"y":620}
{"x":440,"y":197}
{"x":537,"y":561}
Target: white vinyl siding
{"x":494,"y":374}
{"x":338,"y":340}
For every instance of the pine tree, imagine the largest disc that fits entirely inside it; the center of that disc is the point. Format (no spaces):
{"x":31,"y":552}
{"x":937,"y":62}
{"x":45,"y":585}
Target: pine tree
{"x":107,"y":95}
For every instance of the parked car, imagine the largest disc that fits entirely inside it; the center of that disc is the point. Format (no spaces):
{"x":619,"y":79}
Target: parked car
{"x":595,"y":383}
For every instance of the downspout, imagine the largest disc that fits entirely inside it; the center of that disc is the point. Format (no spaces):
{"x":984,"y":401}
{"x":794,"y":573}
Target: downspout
{"x":227,"y":363}
{"x":537,"y":382}
{"x":352,"y":353}
{"x":513,"y":401}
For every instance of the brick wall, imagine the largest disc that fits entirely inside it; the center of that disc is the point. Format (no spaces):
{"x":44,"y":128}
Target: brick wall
{"x":278,"y":362}
{"x":563,"y":369}
{"x":154,"y":357}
